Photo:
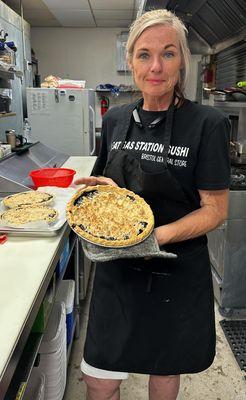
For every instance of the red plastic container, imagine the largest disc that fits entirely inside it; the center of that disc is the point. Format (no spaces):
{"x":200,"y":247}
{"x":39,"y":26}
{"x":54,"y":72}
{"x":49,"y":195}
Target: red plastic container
{"x":61,"y":177}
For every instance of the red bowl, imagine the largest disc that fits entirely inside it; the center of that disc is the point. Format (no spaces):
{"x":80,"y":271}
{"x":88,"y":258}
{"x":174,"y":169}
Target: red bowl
{"x":61,"y":177}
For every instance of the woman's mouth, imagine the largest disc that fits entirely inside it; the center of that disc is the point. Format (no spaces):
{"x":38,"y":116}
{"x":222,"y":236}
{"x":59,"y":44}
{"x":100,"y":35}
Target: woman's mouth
{"x":155,"y":81}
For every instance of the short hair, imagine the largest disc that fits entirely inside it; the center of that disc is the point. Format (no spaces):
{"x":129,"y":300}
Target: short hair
{"x":165,"y":18}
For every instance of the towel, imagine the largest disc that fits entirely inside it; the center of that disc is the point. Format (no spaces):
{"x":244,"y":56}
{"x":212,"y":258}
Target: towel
{"x":147,"y":248}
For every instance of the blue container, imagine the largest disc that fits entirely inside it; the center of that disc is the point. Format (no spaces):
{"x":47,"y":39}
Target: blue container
{"x":62,"y":263}
{"x":65,"y":294}
{"x":69,"y":322}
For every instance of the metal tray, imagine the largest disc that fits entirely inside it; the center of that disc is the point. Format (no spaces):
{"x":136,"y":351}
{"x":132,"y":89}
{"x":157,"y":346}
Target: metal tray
{"x":32,"y":233}
{"x":61,"y":198}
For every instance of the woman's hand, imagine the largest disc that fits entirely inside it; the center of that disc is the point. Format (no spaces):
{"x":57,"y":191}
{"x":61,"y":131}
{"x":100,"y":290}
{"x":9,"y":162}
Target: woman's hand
{"x":95,"y":180}
{"x":158,"y":235}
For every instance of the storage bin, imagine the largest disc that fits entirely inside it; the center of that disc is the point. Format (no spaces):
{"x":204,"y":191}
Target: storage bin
{"x":35,"y":387}
{"x":63,"y":259}
{"x":45,"y":308}
{"x":65,"y":294}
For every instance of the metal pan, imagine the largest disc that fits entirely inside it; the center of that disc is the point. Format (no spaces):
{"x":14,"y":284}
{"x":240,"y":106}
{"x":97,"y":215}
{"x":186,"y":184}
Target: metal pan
{"x":110,"y":247}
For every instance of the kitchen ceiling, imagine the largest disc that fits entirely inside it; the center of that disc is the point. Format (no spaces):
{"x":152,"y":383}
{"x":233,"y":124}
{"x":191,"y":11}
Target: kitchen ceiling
{"x":212,"y":24}
{"x":209,"y":22}
{"x":77,"y":13}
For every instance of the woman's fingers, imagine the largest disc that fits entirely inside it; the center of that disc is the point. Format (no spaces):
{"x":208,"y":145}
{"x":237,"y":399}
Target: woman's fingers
{"x":106,"y":181}
{"x":95,"y":180}
{"x":88,"y":181}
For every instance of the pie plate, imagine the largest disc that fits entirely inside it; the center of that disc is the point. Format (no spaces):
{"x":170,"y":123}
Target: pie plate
{"x":110,"y":217}
{"x":110,"y":247}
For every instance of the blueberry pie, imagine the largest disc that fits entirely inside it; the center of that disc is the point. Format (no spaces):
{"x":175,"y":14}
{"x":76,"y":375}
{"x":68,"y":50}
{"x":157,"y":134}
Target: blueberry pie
{"x":110,"y":216}
{"x":28,"y":198}
{"x":23,"y":215}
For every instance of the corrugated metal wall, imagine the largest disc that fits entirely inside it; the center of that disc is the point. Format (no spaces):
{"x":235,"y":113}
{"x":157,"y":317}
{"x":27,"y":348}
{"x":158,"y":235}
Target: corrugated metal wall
{"x":231,"y":66}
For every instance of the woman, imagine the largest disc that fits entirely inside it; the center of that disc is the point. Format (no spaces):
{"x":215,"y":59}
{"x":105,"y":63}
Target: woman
{"x":148,"y":315}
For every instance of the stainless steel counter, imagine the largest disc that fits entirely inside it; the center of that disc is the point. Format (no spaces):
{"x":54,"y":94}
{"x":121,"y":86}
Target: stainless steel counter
{"x":26,"y":267}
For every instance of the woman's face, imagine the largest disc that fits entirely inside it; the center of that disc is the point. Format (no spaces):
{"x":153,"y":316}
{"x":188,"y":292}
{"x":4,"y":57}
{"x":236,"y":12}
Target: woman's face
{"x":156,"y":61}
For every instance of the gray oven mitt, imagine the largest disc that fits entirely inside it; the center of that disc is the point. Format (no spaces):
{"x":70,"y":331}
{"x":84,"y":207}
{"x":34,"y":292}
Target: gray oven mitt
{"x":148,"y":248}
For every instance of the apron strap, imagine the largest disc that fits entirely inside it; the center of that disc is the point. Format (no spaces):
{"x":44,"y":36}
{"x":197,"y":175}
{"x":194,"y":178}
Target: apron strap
{"x":125,"y":120}
{"x":168,"y":132}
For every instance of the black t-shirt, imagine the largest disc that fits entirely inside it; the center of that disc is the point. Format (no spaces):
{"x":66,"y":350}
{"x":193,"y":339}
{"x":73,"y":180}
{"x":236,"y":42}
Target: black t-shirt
{"x":198,"y":154}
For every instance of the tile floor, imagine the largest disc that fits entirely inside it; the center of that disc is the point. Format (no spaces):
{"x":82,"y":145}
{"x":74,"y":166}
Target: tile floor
{"x":222,"y":381}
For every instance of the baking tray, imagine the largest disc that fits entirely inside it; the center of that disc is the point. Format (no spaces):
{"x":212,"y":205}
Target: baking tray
{"x":50,"y":231}
{"x":62,"y":196}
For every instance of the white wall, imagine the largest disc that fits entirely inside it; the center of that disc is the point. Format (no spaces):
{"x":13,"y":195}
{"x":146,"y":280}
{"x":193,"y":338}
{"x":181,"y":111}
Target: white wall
{"x":78,"y":53}
{"x":81,"y":53}
{"x":89,"y":54}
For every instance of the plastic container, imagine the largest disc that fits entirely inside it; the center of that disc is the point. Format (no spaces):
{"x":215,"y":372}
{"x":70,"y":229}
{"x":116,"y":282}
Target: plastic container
{"x":53,"y":354}
{"x":61,"y":177}
{"x":63,"y":259}
{"x":35,"y":387}
{"x":52,"y":338}
{"x":65,"y":294}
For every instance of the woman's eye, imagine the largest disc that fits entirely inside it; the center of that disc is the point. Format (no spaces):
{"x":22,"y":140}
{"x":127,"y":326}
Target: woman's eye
{"x":143,"y":56}
{"x":169,"y":54}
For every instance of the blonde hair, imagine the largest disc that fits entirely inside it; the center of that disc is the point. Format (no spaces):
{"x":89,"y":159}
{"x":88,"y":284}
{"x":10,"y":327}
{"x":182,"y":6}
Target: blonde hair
{"x":166,"y":18}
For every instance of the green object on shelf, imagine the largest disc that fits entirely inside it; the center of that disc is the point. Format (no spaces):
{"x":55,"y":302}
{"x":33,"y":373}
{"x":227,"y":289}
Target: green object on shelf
{"x":41,"y":320}
{"x":241,"y":84}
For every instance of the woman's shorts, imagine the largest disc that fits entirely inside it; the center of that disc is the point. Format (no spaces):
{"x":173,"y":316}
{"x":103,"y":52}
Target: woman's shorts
{"x":101,"y":373}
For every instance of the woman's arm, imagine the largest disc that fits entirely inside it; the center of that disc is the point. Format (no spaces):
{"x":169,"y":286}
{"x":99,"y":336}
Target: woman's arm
{"x":213,"y":211}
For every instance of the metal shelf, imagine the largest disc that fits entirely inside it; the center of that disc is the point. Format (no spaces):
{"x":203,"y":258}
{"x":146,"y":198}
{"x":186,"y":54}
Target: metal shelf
{"x":10,"y":114}
{"x":24,"y":367}
{"x":6,"y":74}
{"x":71,"y":247}
{"x":231,"y":104}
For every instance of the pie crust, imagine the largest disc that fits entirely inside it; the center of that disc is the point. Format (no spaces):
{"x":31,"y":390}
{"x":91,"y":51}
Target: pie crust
{"x":28,"y":198}
{"x":110,"y":216}
{"x":23,"y":215}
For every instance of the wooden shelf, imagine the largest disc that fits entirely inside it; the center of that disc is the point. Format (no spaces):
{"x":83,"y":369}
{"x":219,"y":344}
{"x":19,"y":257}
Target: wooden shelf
{"x":3,"y":115}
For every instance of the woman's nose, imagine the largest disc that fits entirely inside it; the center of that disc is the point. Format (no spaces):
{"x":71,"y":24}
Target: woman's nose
{"x":156,"y":65}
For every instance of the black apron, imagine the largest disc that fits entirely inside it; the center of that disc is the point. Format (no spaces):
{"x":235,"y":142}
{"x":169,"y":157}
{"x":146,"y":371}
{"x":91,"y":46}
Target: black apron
{"x":152,"y":316}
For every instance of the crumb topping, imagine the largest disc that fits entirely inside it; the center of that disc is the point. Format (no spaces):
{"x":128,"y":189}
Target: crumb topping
{"x":23,"y":215}
{"x":110,"y":216}
{"x":27,"y":198}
